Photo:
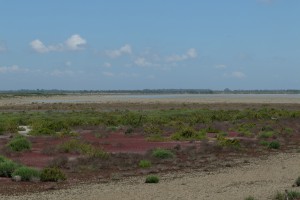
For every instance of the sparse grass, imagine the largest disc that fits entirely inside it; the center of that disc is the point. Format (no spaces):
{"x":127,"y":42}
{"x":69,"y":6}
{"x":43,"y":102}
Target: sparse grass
{"x":227,"y":142}
{"x":19,"y":143}
{"x":52,"y":174}
{"x":76,"y":146}
{"x":162,"y":153}
{"x":152,"y":179}
{"x":145,"y":164}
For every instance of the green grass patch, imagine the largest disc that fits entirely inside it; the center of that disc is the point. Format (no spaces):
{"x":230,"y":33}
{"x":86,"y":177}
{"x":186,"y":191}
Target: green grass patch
{"x":152,"y":179}
{"x":145,"y":164}
{"x":162,"y":153}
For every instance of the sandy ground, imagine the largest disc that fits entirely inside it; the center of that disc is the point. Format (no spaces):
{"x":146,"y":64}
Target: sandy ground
{"x":189,"y":98}
{"x":261,"y":178}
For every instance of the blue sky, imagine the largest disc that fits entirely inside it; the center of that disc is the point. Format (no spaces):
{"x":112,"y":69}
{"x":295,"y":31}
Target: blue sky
{"x":149,"y":44}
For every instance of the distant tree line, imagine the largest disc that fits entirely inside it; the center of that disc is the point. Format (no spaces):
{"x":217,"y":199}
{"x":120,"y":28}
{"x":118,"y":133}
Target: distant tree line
{"x":145,"y":91}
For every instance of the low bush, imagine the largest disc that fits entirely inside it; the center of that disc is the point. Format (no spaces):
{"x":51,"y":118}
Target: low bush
{"x":189,"y":133}
{"x":274,"y":145}
{"x":228,"y":142}
{"x":145,"y":164}
{"x":291,"y":195}
{"x":26,"y":173}
{"x":7,"y":167}
{"x":152,"y":179}
{"x":52,"y":174}
{"x":2,"y":159}
{"x":162,"y":153}
{"x":19,"y":143}
{"x":266,"y":134}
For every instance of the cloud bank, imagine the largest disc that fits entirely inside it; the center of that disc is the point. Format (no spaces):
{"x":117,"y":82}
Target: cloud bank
{"x":73,"y":43}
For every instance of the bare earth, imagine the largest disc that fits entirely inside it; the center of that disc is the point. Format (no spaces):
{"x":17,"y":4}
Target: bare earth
{"x":261,"y":178}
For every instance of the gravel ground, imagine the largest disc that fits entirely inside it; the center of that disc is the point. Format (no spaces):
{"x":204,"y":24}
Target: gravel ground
{"x":261,"y":178}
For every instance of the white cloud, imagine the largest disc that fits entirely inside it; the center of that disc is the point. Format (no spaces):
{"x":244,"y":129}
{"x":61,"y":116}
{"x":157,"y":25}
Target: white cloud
{"x":107,"y":64}
{"x":73,"y":43}
{"x":126,"y":49}
{"x":190,"y":54}
{"x":221,"y":66}
{"x":12,"y":69}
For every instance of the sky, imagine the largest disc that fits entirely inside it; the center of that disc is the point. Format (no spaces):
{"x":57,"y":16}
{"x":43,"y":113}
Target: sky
{"x":149,"y":44}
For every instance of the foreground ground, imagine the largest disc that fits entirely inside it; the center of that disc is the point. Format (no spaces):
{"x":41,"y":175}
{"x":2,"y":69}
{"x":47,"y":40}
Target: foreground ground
{"x":201,"y":169}
{"x":259,"y":177}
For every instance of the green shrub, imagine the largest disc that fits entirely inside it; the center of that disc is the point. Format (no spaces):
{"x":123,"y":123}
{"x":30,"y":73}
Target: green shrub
{"x":52,"y":174}
{"x":152,"y":179}
{"x":145,"y":164}
{"x":291,"y":195}
{"x":189,"y":133}
{"x":162,"y":153}
{"x":2,"y":159}
{"x":264,"y":143}
{"x":7,"y":168}
{"x":19,"y":143}
{"x":228,"y":142}
{"x":26,"y":173}
{"x":266,"y":134}
{"x":274,"y":145}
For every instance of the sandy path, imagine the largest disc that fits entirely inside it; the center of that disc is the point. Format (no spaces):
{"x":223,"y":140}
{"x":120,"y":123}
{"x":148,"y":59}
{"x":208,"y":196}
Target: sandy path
{"x":260,"y":178}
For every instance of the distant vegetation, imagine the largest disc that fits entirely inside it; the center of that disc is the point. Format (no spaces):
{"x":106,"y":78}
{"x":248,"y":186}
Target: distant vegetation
{"x":41,"y":92}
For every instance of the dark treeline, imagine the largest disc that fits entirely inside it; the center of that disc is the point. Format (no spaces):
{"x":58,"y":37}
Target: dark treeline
{"x":145,"y":91}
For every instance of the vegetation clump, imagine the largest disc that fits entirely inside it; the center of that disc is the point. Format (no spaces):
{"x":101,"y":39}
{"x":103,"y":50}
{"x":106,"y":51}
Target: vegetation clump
{"x":162,"y":153}
{"x":19,"y":143}
{"x":274,"y":145}
{"x":76,"y":146}
{"x":152,"y":179}
{"x":26,"y":173}
{"x":145,"y":164}
{"x":7,"y":167}
{"x":291,"y":195}
{"x":52,"y":174}
{"x":227,"y":142}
